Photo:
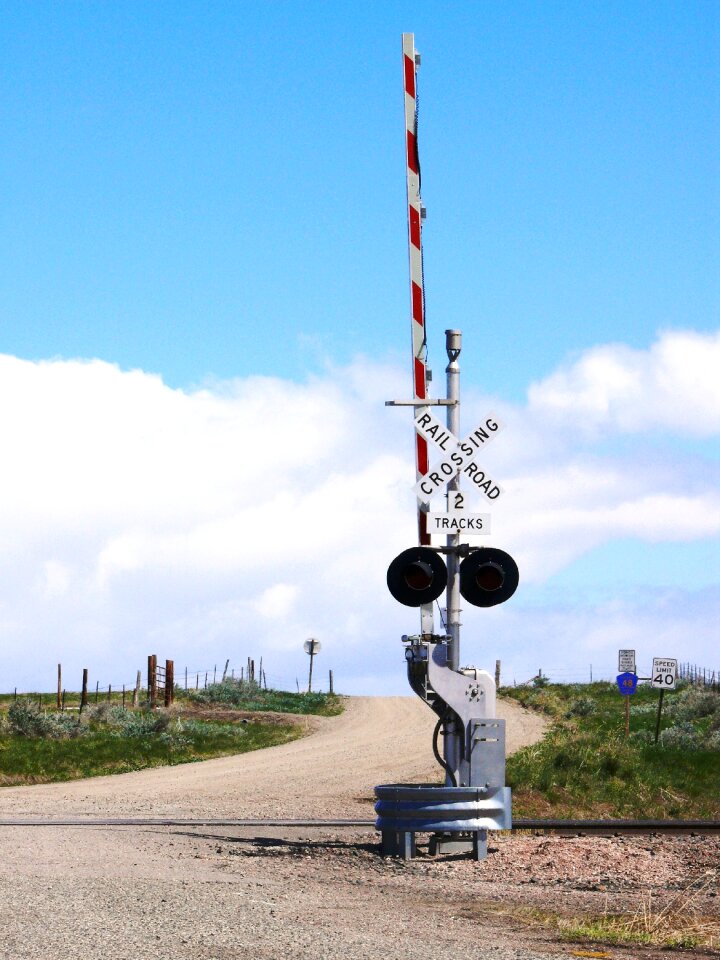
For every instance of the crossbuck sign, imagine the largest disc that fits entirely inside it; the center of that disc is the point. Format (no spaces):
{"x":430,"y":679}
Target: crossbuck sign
{"x":459,"y":457}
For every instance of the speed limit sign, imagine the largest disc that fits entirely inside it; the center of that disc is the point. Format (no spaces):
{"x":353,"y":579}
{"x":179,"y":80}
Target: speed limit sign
{"x":664,"y":673}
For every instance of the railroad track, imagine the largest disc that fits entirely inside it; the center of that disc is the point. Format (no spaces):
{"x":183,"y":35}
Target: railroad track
{"x":562,"y":827}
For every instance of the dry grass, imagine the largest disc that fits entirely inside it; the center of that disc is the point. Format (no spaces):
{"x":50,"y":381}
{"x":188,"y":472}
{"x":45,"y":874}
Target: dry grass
{"x":656,"y":921}
{"x":678,"y":922}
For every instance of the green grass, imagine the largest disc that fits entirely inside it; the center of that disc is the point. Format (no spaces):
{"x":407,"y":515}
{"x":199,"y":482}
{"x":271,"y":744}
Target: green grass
{"x":230,"y":694}
{"x":241,"y":695}
{"x":585,"y":767}
{"x":45,"y":747}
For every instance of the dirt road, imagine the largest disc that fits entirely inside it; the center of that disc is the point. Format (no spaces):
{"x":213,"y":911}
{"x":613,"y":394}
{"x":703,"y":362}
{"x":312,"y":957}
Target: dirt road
{"x":226,"y":893}
{"x":329,"y":774}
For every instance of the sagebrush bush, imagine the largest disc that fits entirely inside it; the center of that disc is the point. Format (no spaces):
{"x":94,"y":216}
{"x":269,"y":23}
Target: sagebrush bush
{"x":643,"y":709}
{"x":250,"y":696}
{"x":692,"y":703}
{"x":232,"y":692}
{"x":682,"y":736}
{"x":582,"y":707}
{"x":26,"y":719}
{"x":127,"y":723}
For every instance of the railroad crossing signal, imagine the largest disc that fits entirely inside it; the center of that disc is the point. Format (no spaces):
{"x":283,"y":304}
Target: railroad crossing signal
{"x":417,"y":576}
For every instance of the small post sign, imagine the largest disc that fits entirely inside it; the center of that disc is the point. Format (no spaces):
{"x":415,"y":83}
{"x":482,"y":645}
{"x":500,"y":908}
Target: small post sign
{"x":312,"y":648}
{"x":626,"y":661}
{"x":664,"y":677}
{"x":627,"y":685}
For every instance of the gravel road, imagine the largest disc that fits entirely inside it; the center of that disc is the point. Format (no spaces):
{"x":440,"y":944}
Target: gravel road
{"x":221,"y":893}
{"x":328,"y":774}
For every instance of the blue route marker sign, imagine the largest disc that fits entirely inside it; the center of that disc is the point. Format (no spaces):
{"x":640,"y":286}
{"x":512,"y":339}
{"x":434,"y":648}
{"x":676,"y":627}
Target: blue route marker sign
{"x":627,"y":683}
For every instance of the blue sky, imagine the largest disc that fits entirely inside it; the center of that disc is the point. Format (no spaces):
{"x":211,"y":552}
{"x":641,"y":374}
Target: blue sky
{"x":215,"y":192}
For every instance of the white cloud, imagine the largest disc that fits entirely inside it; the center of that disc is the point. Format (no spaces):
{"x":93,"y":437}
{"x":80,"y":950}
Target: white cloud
{"x":672,"y":386}
{"x":241,"y":518}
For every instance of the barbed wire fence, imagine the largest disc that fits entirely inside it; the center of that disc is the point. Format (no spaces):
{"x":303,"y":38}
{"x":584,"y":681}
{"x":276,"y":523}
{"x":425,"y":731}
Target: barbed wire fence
{"x":141,"y":688}
{"x":135,"y":692}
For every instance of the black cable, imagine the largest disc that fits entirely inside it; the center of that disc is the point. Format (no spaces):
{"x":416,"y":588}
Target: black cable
{"x":443,"y":764}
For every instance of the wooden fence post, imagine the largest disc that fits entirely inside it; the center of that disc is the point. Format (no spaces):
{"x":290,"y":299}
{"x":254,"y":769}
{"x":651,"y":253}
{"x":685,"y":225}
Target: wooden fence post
{"x":59,"y":690}
{"x":227,"y":664}
{"x":497,"y":673}
{"x":152,"y":680}
{"x":169,"y":682}
{"x":136,"y":691}
{"x":331,"y":682}
{"x":83,"y":695}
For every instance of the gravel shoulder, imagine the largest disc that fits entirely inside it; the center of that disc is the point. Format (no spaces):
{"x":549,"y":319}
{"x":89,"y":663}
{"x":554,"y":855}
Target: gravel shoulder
{"x":216,"y":894}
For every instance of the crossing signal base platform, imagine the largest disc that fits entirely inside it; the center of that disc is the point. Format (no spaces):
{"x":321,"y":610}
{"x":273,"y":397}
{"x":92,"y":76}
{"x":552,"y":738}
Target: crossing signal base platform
{"x":474,"y":798}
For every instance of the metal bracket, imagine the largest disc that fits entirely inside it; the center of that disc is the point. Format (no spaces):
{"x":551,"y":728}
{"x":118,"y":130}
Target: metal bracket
{"x":442,"y":402}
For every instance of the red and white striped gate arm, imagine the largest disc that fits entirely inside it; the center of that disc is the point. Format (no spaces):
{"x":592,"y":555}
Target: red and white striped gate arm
{"x":417,"y":299}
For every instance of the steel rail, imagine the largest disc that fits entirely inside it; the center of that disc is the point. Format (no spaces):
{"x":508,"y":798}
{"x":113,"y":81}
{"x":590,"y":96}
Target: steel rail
{"x":563,"y":826}
{"x":619,"y":826}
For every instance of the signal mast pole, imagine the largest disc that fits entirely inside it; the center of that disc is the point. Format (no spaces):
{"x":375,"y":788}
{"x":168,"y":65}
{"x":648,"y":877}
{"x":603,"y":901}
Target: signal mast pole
{"x":453,"y":345}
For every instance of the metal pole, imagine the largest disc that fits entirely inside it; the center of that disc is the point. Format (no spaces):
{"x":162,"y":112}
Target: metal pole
{"x":657,"y":722}
{"x":453,"y":345}
{"x":312,"y":657}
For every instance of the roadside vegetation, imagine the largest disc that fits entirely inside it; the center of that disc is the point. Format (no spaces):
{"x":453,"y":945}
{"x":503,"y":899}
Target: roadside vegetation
{"x":241,"y":695}
{"x":586,"y":767}
{"x":675,"y":923}
{"x":42,"y":745}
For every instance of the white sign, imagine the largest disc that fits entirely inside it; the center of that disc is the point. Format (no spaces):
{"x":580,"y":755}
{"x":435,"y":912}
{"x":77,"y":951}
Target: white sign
{"x":459,"y":457}
{"x":458,"y":521}
{"x":626,"y":661}
{"x":664,"y":672}
{"x":431,"y":428}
